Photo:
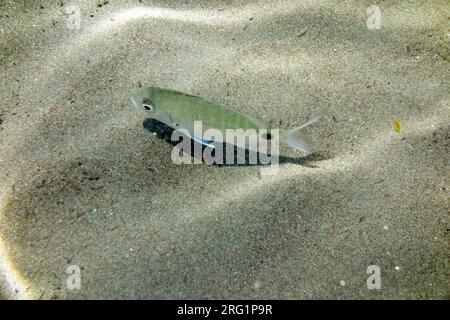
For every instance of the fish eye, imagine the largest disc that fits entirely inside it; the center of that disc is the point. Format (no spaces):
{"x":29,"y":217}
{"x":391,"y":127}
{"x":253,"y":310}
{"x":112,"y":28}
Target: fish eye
{"x":147,"y":104}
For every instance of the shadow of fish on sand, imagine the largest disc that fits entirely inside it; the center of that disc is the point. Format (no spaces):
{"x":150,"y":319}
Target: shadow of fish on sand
{"x":242,"y":157}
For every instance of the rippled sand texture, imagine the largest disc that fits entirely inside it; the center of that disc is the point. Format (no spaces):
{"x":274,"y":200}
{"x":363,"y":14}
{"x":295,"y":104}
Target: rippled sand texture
{"x":83,"y":183}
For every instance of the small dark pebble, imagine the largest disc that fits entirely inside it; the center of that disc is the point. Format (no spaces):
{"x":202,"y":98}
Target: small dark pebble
{"x":101,"y":4}
{"x":303,"y":33}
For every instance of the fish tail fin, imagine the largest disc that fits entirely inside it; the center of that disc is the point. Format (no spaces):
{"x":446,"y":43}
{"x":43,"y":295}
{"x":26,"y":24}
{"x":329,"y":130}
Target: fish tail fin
{"x":296,"y":136}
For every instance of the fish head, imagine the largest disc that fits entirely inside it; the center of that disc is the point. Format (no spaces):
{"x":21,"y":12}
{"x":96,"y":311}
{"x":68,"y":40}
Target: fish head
{"x":146,"y":100}
{"x":142,"y":100}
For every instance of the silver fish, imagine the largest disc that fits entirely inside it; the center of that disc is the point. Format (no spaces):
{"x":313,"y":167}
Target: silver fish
{"x":179,"y":110}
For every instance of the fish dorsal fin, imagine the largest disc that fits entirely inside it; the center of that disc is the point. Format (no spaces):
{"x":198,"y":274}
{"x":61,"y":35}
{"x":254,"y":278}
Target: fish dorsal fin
{"x":182,"y":93}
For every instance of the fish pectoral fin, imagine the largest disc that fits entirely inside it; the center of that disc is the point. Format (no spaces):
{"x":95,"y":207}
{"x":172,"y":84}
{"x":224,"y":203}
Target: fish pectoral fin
{"x":207,"y":143}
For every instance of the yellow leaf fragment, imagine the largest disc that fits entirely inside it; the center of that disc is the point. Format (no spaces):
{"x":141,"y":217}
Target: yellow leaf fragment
{"x":396,"y":125}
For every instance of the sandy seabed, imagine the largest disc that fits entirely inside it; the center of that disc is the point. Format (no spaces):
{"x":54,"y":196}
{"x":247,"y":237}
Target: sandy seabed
{"x":84,"y":184}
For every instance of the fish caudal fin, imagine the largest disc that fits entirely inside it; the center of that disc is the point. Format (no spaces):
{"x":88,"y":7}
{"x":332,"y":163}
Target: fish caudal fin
{"x":296,"y":138}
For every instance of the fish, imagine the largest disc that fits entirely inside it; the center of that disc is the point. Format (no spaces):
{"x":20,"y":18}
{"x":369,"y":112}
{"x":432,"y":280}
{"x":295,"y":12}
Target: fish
{"x":180,"y":110}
